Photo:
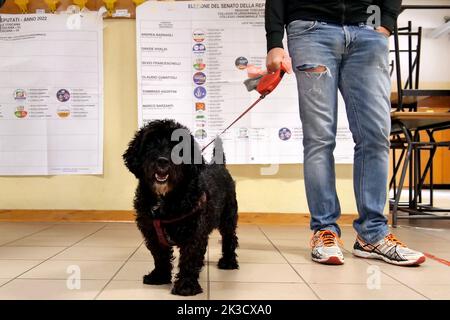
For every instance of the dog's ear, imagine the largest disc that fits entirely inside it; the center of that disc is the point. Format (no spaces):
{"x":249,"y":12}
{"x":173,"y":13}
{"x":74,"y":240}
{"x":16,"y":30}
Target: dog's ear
{"x":133,"y":156}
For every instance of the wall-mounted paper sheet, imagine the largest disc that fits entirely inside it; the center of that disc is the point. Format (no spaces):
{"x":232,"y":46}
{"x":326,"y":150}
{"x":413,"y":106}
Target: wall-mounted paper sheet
{"x":192,"y":62}
{"x":51,"y":94}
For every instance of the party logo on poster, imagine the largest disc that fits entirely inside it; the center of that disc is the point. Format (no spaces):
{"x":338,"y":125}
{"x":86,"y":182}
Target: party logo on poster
{"x":63,"y":112}
{"x":199,"y":48}
{"x":201,"y":134}
{"x":241,"y":63}
{"x":199,"y":65}
{"x":200,"y":116}
{"x":20,"y":112}
{"x":243,"y":133}
{"x":63,"y":95}
{"x":199,"y":78}
{"x":284,"y":134}
{"x":200,"y":106}
{"x":200,"y":92}
{"x":20,"y":94}
{"x":198,"y":35}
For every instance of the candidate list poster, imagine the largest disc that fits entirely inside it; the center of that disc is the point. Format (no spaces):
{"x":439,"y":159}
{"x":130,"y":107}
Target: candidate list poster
{"x":193,"y":58}
{"x":51,"y":94}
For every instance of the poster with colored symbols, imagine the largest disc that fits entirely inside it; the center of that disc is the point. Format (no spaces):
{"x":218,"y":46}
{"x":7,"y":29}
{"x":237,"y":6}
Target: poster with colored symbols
{"x":193,"y":59}
{"x":51,"y":94}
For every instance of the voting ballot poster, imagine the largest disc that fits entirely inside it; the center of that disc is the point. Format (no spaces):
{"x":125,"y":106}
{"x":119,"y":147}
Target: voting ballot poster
{"x":51,"y":94}
{"x":193,"y":59}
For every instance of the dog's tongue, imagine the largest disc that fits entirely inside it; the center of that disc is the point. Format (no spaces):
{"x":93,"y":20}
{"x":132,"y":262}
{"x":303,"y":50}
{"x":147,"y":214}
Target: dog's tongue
{"x":161,"y":178}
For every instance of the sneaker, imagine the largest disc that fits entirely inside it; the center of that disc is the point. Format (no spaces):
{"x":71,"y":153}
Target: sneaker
{"x":325,"y":248}
{"x":389,"y":249}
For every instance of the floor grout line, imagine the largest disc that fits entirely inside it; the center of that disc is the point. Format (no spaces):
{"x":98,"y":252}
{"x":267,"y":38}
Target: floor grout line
{"x":50,"y":257}
{"x":118,"y":270}
{"x":289,"y":263}
{"x":28,"y":235}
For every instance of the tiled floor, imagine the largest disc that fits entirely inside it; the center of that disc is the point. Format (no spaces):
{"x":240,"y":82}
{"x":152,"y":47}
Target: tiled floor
{"x":42,"y":261}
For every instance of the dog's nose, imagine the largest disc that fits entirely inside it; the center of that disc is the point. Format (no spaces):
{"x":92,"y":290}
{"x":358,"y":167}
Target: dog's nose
{"x":162,"y":162}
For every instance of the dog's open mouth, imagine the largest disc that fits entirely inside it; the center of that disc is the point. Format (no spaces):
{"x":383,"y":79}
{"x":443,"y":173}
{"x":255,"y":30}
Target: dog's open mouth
{"x":161,"y":178}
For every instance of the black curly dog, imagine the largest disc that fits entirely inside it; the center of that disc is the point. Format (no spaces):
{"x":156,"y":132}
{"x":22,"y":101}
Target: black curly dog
{"x":181,"y":203}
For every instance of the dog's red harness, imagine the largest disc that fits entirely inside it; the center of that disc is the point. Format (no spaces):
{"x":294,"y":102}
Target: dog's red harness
{"x":158,"y":224}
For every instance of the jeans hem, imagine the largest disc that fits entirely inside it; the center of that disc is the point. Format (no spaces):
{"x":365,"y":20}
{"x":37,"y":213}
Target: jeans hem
{"x":330,"y":228}
{"x":374,"y":239}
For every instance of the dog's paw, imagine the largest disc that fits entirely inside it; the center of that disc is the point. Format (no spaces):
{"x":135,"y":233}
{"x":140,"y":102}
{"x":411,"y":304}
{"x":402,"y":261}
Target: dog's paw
{"x":186,"y":287}
{"x":157,"y":278}
{"x":228,"y":264}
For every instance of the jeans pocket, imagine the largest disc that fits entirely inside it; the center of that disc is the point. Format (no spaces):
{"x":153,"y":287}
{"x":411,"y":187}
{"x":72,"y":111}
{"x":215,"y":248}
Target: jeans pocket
{"x":372,"y":29}
{"x":299,"y":27}
{"x":368,"y":27}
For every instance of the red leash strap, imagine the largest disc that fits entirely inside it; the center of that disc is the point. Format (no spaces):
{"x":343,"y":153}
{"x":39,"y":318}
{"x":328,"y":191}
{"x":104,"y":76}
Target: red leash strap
{"x":238,"y":118}
{"x":160,"y":233}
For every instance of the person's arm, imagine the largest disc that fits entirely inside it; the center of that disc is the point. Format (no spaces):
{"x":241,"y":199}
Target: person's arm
{"x":390,"y":9}
{"x":274,"y":21}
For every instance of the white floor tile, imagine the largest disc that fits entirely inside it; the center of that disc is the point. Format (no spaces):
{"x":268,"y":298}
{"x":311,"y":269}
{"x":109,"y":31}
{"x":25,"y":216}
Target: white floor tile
{"x":12,"y":268}
{"x":260,"y":291}
{"x":362,"y":292}
{"x":28,"y":253}
{"x":25,"y":289}
{"x":95,"y":254}
{"x":434,"y":292}
{"x":47,"y":241}
{"x":352,"y":271}
{"x":89,"y":270}
{"x":267,"y":255}
{"x":255,"y":272}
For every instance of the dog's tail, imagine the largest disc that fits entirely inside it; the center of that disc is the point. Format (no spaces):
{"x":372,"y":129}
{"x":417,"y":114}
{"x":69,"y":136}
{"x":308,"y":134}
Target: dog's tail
{"x":218,"y":156}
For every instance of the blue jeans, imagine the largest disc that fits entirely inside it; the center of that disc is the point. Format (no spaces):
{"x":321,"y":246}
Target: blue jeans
{"x":354,"y":60}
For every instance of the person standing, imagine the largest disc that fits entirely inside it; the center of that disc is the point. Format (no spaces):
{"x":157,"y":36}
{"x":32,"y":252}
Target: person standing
{"x":333,"y":47}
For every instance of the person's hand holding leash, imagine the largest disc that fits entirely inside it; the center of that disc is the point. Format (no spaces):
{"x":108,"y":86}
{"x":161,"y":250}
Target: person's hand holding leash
{"x":275,"y":57}
{"x":383,"y":31}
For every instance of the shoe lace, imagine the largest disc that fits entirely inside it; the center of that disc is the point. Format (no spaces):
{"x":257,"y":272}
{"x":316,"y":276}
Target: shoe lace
{"x":391,"y":238}
{"x":327,"y":237}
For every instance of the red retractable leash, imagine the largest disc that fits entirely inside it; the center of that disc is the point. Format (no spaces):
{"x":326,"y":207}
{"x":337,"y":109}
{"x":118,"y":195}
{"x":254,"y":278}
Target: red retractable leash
{"x":264,"y":85}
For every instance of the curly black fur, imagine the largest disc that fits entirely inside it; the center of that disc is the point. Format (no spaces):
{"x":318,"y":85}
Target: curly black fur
{"x":167,"y":191}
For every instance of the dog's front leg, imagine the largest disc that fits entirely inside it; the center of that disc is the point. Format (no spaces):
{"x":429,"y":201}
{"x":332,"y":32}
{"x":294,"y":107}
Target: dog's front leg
{"x":163,"y":256}
{"x":192,"y":257}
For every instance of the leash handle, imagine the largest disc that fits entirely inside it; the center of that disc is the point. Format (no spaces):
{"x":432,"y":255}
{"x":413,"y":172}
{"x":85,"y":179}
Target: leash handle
{"x":270,"y":81}
{"x":237,"y":119}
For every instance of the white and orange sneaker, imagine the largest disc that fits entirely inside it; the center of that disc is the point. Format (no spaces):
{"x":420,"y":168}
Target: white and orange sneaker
{"x":325,"y":248}
{"x":389,"y":249}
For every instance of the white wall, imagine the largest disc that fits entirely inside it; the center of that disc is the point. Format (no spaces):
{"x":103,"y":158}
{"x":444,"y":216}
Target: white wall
{"x":435,"y":63}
